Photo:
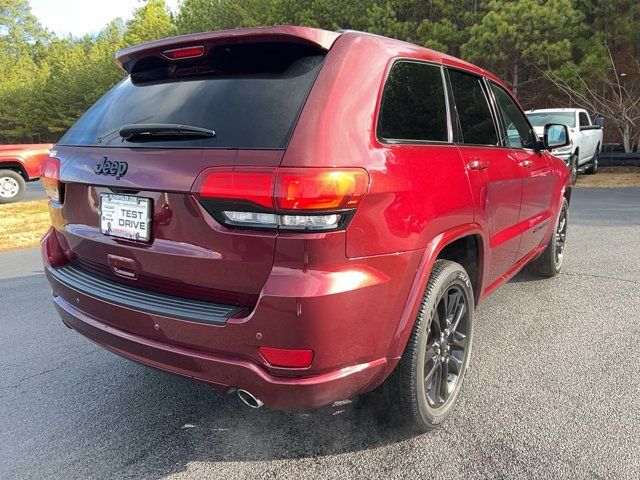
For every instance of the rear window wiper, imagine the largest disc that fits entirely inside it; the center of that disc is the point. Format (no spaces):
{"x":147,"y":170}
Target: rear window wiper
{"x":163,"y":130}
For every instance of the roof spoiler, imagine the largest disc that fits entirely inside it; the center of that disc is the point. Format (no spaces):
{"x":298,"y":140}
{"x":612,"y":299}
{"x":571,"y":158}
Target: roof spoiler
{"x":322,"y":39}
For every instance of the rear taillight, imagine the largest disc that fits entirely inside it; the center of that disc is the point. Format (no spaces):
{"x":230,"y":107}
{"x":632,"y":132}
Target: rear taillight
{"x":50,"y":178}
{"x":317,"y":199}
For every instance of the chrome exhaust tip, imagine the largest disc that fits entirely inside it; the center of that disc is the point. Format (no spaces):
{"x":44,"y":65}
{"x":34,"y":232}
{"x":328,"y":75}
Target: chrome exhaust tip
{"x":249,"y":399}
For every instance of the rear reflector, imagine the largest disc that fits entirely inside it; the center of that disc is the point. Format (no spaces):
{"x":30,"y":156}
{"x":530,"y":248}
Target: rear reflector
{"x":185,"y":52}
{"x":50,"y":178}
{"x":279,"y":357}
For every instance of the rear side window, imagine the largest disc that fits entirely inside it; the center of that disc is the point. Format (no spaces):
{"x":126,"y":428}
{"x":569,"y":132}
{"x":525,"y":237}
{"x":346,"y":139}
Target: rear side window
{"x":584,"y":120}
{"x":413,"y":104}
{"x":519,"y":133}
{"x":250,"y":95}
{"x":474,"y":114}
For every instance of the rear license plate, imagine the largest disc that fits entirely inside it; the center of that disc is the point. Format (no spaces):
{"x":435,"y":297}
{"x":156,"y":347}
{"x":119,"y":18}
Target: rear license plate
{"x":125,"y":216}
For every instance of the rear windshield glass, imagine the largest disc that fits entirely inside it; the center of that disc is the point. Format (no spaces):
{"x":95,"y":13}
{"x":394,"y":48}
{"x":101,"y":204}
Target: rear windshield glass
{"x":541,"y":119}
{"x":250,"y":95}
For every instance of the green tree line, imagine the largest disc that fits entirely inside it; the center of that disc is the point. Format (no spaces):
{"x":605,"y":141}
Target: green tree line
{"x":551,"y":52}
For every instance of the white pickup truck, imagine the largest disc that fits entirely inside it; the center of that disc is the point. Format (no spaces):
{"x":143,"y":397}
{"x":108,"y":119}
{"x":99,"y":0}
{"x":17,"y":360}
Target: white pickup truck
{"x":585,"y":138}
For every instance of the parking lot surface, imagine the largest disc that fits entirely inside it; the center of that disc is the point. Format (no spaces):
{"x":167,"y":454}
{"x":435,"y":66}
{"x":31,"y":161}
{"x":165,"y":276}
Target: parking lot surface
{"x":553,"y":389}
{"x":34,"y":192}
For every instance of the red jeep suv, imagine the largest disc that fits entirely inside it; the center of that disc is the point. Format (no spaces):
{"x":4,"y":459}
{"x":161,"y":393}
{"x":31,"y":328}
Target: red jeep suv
{"x":300,"y":216}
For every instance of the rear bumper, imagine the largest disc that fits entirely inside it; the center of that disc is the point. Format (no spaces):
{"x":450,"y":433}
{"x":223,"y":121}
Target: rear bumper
{"x":225,"y":373}
{"x":348,"y":317}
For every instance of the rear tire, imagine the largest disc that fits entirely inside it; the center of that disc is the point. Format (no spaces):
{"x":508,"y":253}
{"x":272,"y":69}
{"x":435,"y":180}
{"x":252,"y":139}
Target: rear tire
{"x":424,"y":388}
{"x":549,"y":263}
{"x":12,"y":186}
{"x":592,"y":168}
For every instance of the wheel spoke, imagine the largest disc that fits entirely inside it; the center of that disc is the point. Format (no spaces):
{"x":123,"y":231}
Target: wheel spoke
{"x":459,"y":314}
{"x":456,"y":363}
{"x":444,"y":381}
{"x":452,"y":303}
{"x":429,"y":353}
{"x":429,"y":376}
{"x":434,"y":390}
{"x":458,"y":340}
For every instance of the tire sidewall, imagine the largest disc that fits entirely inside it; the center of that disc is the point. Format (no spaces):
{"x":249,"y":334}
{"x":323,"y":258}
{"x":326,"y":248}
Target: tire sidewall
{"x":573,"y":168}
{"x":21,"y":186}
{"x":565,"y":208}
{"x":453,"y":274}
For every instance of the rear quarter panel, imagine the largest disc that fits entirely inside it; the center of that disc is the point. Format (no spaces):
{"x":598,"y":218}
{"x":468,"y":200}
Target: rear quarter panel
{"x":416,"y":191}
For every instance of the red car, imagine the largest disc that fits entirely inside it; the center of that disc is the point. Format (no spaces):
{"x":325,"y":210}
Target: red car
{"x":300,"y":216}
{"x":19,"y":164}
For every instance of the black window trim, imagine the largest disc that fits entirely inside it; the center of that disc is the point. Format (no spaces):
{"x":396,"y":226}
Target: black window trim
{"x":406,"y":141}
{"x":503,"y":134}
{"x":580,"y":113}
{"x":496,"y":123}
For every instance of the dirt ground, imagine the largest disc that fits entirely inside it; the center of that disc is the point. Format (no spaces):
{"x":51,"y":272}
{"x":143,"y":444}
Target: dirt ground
{"x":23,"y":224}
{"x":611,"y":177}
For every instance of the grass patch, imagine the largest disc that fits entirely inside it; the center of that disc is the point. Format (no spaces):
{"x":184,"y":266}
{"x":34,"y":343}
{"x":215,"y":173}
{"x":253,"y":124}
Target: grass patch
{"x":23,"y":224}
{"x":611,"y":178}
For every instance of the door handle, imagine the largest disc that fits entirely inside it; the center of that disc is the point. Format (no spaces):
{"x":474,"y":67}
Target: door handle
{"x":478,"y":164}
{"x":526,"y":163}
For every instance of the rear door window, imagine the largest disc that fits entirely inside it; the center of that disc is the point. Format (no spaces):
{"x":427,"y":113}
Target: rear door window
{"x":519,"y":132}
{"x":584,"y":119}
{"x":413,"y":104}
{"x":474,"y":115}
{"x":250,"y":95}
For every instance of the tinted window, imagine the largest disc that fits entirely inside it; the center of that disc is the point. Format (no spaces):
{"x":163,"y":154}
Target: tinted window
{"x":476,"y":122}
{"x":413,"y":104}
{"x":540,"y":119}
{"x":584,"y":120}
{"x":519,"y":133}
{"x":250,"y":95}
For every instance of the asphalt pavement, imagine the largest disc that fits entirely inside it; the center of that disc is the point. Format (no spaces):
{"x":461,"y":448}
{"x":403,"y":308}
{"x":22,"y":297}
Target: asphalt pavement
{"x":34,"y":192}
{"x":553,"y":389}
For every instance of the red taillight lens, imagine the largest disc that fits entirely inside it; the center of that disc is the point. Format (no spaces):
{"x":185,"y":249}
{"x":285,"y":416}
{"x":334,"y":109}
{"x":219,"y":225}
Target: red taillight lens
{"x":50,"y":178}
{"x":253,"y":185}
{"x":186,"y":52}
{"x":317,"y":199}
{"x":319,"y":189}
{"x":280,"y":357}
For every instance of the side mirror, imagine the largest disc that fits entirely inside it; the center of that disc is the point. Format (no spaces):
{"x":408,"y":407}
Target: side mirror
{"x":555,"y":136}
{"x":599,"y":121}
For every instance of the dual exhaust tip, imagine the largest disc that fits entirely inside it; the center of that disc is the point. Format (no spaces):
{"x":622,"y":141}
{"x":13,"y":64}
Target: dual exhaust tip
{"x":249,"y":399}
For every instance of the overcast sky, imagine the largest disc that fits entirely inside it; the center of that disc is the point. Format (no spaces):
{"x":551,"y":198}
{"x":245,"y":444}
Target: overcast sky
{"x":83,"y":16}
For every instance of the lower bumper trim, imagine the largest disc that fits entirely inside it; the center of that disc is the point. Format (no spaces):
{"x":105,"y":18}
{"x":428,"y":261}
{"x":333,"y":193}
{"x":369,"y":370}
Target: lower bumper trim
{"x":143,"y":300}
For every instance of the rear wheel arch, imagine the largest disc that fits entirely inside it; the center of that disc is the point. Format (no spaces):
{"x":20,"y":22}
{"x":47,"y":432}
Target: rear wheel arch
{"x":446,"y":246}
{"x":467,"y":251}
